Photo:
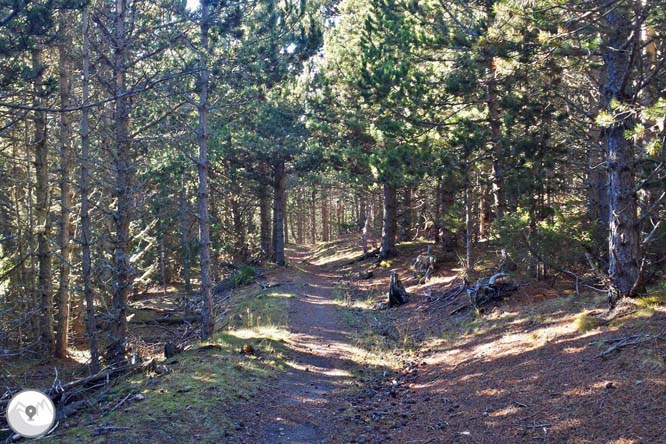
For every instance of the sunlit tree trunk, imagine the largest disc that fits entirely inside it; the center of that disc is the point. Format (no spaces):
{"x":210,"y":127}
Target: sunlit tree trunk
{"x":313,"y":217}
{"x":389,"y":221}
{"x":86,"y":263}
{"x":299,"y":217}
{"x":185,"y":235}
{"x":122,"y":190}
{"x":208,"y":310}
{"x":494,"y":121}
{"x":623,"y":244}
{"x":42,"y":213}
{"x":64,"y":69}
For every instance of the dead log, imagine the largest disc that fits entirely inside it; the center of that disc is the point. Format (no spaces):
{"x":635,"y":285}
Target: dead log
{"x":397,"y":294}
{"x":65,"y":394}
{"x":489,"y":289}
{"x":169,"y":320}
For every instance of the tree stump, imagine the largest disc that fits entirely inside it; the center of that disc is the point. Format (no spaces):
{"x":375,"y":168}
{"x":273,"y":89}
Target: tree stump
{"x":397,"y":294}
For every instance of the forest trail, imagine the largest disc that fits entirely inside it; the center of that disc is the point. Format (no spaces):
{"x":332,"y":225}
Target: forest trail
{"x":301,"y":405}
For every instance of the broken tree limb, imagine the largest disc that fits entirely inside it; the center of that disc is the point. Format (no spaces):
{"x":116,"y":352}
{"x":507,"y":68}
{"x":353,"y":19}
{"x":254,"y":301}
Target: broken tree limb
{"x":616,"y":344}
{"x":397,"y":294}
{"x":169,"y":320}
{"x":484,"y":291}
{"x":490,"y":289}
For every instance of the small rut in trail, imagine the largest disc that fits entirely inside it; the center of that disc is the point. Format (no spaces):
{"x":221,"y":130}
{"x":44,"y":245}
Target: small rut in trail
{"x":302,"y":406}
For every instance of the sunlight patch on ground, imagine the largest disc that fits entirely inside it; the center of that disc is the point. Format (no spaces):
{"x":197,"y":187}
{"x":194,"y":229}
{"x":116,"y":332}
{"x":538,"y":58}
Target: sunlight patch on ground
{"x":332,"y":372}
{"x":264,"y":332}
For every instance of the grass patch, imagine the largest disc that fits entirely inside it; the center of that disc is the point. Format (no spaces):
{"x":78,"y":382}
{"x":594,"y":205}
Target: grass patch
{"x":194,"y":400}
{"x":584,"y":322}
{"x":656,"y":296}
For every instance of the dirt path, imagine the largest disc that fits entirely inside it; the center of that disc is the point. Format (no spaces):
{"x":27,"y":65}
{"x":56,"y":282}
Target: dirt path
{"x":302,"y":405}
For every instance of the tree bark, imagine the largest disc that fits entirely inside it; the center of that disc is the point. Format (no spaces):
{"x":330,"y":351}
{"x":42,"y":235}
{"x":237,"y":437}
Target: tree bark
{"x":494,"y":121}
{"x":468,"y":223}
{"x":313,"y":217}
{"x":185,"y":235}
{"x":362,"y":220}
{"x":122,"y":192}
{"x":64,"y":69}
{"x":208,"y":310}
{"x":265,"y":222}
{"x":86,"y":263}
{"x":299,"y":218}
{"x":389,"y":222}
{"x":285,"y":214}
{"x":278,"y":213}
{"x":407,"y":216}
{"x":239,"y":226}
{"x":42,"y":213}
{"x":623,"y":227}
{"x":324,"y":218}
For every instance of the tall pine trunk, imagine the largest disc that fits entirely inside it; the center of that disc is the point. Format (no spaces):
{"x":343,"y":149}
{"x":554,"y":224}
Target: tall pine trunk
{"x":389,"y":221}
{"x":623,"y":226}
{"x":207,"y":312}
{"x":407,"y":216}
{"x":239,"y":226}
{"x":299,"y":218}
{"x":185,"y":235}
{"x":42,"y":213}
{"x":285,"y":214}
{"x":122,"y":190}
{"x":325,"y":232}
{"x":65,"y":193}
{"x":313,"y":217}
{"x":265,"y":222}
{"x":278,"y":212}
{"x":86,"y":263}
{"x":494,"y":121}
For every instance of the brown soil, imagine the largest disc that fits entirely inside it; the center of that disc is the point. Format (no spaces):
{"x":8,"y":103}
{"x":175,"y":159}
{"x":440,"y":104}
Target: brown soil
{"x":302,"y":406}
{"x":520,"y":372}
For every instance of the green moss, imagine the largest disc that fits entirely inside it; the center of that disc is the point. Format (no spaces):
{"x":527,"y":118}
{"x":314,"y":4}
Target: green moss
{"x":197,"y":397}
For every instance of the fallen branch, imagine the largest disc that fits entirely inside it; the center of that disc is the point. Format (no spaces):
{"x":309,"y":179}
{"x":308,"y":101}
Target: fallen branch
{"x":169,"y":320}
{"x":620,"y":343}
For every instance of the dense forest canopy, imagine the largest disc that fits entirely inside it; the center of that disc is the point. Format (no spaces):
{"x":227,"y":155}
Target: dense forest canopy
{"x":153,"y":143}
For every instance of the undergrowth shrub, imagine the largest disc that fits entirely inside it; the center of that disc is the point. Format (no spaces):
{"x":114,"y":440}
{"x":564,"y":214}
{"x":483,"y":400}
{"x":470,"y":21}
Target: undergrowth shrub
{"x":558,"y":240}
{"x":244,"y":275}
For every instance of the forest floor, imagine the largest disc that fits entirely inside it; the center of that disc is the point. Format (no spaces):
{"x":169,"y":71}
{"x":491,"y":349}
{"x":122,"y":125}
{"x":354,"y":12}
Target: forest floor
{"x":312,"y":358}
